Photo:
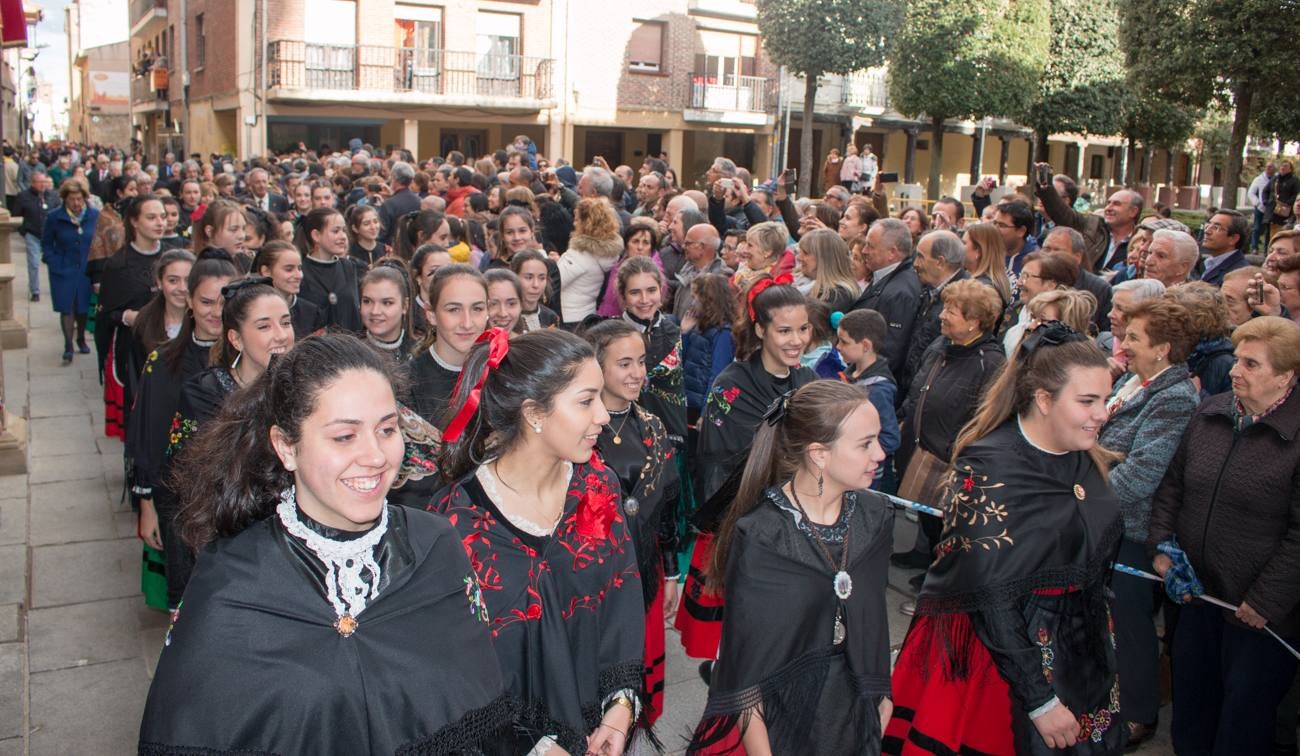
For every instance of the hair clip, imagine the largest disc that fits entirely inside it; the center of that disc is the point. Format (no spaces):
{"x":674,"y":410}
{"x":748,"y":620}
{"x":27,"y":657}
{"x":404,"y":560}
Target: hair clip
{"x":775,"y":411}
{"x":1049,"y":333}
{"x":234,"y":287}
{"x":762,"y":285}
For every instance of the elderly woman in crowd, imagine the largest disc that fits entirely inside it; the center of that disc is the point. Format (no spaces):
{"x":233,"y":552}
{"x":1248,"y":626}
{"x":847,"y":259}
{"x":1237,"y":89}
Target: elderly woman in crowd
{"x":1149,"y":408}
{"x":1211,"y":358}
{"x":944,"y":394}
{"x":1123,"y":297}
{"x":1228,"y":501}
{"x":1040,"y":272}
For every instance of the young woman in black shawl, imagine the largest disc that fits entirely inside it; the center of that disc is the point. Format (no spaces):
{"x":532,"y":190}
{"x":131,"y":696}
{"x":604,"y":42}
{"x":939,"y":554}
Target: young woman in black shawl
{"x":330,"y":277}
{"x":386,"y":311}
{"x":125,"y":285}
{"x":1012,"y":648}
{"x":456,"y":310}
{"x":770,"y":338}
{"x":637,"y":448}
{"x":321,"y":619}
{"x":282,"y":263}
{"x":805,"y":534}
{"x":255,"y":325}
{"x":165,"y":371}
{"x":549,"y":539}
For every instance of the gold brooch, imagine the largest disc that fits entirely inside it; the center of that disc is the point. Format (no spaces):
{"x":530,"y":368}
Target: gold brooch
{"x":346,"y":625}
{"x":1079,"y":493}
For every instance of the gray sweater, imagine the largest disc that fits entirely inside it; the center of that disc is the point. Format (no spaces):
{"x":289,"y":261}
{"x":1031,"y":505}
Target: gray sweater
{"x":1146,"y":429}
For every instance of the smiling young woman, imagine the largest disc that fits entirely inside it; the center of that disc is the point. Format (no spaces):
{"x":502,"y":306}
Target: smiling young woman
{"x":550,"y":539}
{"x":312,"y":586}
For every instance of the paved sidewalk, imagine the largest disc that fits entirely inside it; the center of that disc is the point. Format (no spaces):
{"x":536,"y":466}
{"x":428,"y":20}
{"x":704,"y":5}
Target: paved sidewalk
{"x":77,"y":644}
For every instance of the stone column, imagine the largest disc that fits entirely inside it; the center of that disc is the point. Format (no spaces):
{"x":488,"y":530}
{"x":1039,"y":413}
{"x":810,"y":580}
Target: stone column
{"x":13,"y":334}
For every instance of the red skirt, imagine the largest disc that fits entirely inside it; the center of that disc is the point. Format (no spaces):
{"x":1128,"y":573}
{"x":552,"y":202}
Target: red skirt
{"x":699,"y":618}
{"x":654,"y":656}
{"x":935,"y":715}
{"x":114,"y":397}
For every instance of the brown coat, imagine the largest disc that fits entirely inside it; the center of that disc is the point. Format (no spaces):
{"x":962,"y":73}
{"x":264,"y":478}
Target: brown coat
{"x":1233,"y":501}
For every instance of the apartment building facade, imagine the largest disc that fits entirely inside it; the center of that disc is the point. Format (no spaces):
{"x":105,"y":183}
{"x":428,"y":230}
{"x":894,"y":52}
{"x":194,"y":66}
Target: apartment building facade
{"x":581,"y":78}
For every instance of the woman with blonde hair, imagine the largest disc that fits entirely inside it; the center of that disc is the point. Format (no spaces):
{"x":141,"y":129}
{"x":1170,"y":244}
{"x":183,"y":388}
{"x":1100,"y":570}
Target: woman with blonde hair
{"x":984,"y":258}
{"x":824,"y":260}
{"x":1073,"y":307}
{"x":594,"y":247}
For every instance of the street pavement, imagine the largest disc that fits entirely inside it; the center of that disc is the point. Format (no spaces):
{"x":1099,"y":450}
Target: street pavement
{"x":77,"y":644}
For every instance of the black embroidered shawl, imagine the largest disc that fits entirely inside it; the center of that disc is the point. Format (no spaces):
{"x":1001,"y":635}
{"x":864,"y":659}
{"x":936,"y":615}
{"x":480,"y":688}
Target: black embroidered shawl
{"x":564,"y":610}
{"x":254,"y":665}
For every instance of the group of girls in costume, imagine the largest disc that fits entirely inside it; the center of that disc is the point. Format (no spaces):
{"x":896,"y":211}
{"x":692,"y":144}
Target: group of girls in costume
{"x":542,"y":474}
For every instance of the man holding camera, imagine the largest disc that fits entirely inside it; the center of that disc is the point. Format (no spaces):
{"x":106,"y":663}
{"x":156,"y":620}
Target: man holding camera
{"x":1107,"y":235}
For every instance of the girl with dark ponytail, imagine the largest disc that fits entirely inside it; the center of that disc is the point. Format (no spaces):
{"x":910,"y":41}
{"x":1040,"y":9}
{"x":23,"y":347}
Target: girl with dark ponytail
{"x":1011,"y":649}
{"x":165,"y":371}
{"x":528,"y":491}
{"x":311,"y":586}
{"x":772,"y":335}
{"x":806,"y":535}
{"x":255,"y":325}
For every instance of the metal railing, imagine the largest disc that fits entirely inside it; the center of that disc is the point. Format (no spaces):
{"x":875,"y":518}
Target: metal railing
{"x":728,"y":92}
{"x":293,"y":64}
{"x":141,"y":8}
{"x":143,"y":93}
{"x":866,"y":89}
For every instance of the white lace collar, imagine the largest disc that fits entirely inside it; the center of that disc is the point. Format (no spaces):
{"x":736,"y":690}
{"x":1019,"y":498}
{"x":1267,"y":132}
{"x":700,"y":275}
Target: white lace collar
{"x":347,"y":590}
{"x":489,"y":483}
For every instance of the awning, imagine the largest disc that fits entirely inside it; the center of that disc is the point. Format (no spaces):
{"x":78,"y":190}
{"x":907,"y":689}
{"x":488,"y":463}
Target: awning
{"x":13,"y":24}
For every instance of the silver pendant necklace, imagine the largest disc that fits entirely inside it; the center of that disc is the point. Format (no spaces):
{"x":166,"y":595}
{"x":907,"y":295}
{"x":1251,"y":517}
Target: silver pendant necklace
{"x":842,"y":583}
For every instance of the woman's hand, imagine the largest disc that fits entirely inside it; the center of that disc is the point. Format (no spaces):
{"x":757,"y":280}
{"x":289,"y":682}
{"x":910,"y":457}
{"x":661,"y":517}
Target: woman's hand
{"x":1251,"y":617}
{"x":672,"y":595}
{"x":1162,"y":564}
{"x":1058,"y":727}
{"x":1271,"y":304}
{"x":886,"y":709}
{"x":147,"y":525}
{"x":610,"y":736}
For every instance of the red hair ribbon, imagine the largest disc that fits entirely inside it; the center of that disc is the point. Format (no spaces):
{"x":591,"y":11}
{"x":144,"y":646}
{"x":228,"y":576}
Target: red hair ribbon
{"x":760,"y":286}
{"x":498,"y":346}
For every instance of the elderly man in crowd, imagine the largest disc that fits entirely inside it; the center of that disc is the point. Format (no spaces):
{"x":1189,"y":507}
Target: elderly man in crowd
{"x":599,"y":182}
{"x":649,"y":190}
{"x":1171,"y":257}
{"x":260,"y":194}
{"x":893,"y":289}
{"x":1071,"y":242}
{"x":702,"y":257}
{"x":1107,"y":235}
{"x":1222,"y":238}
{"x":940,"y":260}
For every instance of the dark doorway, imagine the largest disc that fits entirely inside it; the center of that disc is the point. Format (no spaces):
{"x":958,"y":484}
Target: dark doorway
{"x":606,"y":144}
{"x":469,"y":142}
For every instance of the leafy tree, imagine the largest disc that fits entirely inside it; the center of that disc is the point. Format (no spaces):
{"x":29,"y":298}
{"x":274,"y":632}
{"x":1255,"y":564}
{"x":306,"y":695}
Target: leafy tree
{"x":1233,"y":53}
{"x":813,"y":38}
{"x":1155,"y":123}
{"x":963,"y":60}
{"x":1082,"y":89}
{"x":1278,"y":116}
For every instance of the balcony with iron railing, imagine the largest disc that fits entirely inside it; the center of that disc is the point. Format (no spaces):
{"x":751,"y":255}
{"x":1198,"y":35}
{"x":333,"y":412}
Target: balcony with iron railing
{"x":145,"y":98}
{"x":144,"y":11}
{"x":727,"y":98}
{"x":302,"y":71}
{"x":858,"y":92}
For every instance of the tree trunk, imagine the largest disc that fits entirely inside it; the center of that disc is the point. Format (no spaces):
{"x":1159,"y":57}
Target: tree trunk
{"x":936,"y":157}
{"x":977,"y":155}
{"x":909,"y":159}
{"x":806,"y":136}
{"x":1171,"y":157}
{"x":1130,"y":163}
{"x":1242,"y":96}
{"x":1042,"y":151}
{"x":1003,"y":157}
{"x":1144,"y":175}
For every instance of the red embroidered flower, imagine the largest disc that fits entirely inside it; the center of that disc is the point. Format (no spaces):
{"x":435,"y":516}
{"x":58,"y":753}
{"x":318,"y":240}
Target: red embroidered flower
{"x":968,"y":485}
{"x":596,"y":511}
{"x":731,"y":394}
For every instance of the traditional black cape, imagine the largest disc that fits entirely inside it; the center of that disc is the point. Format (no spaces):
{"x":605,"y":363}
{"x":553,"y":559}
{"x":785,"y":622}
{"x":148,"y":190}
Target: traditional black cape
{"x":735,"y":405}
{"x":1021,"y":577}
{"x":341,"y":278}
{"x":155,"y":407}
{"x":126,"y":283}
{"x":432,"y":386}
{"x":646,"y":467}
{"x":254,"y":665}
{"x":778,"y":649}
{"x":664,"y":394}
{"x":201,"y":397}
{"x":564,"y":610}
{"x":306,"y":317}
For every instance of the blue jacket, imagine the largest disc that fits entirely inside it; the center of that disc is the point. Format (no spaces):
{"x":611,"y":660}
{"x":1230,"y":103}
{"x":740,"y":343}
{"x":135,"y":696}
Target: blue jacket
{"x":63,"y":248}
{"x":1210,"y":361}
{"x":879,"y":382}
{"x":705,"y":354}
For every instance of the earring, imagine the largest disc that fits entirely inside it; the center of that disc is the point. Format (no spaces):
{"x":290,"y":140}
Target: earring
{"x":235,"y":364}
{"x":537,"y":428}
{"x":821,"y":480}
